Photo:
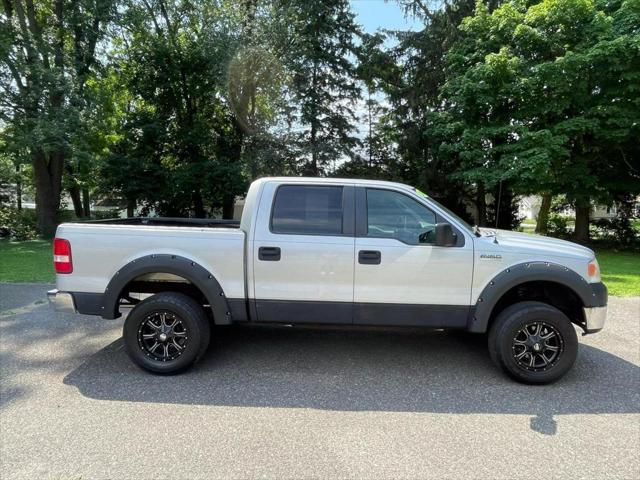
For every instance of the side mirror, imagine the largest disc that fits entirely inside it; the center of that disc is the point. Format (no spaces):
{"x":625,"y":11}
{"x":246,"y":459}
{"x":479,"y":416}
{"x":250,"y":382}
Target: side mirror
{"x":444,"y":235}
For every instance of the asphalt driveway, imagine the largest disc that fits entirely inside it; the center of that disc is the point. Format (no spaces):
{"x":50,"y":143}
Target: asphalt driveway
{"x":293,"y":403}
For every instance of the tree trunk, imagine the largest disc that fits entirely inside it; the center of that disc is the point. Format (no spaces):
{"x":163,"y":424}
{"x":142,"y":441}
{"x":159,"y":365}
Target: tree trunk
{"x":48,"y":182}
{"x":370,"y":127}
{"x":543,"y":215}
{"x":74,"y":193}
{"x":198,"y":205}
{"x":227,"y":207}
{"x":19,"y":189}
{"x":506,"y":215}
{"x":581,"y":231}
{"x":313,"y":168}
{"x":46,"y":213}
{"x":86,"y":203}
{"x":131,"y":207}
{"x":481,"y":206}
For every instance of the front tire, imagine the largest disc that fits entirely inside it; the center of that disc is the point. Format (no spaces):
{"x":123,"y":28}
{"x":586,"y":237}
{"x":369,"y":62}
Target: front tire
{"x":166,"y":333}
{"x":533,"y":342}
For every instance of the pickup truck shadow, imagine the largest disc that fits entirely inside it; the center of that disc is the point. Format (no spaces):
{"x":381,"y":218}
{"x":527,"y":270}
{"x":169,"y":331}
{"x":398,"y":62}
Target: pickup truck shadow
{"x":400,"y":371}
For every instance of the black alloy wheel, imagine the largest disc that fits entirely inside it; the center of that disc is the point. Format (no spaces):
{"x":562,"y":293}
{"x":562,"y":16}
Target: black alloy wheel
{"x":533,"y":342}
{"x":166,"y":333}
{"x":537,"y":346}
{"x":163,"y":336}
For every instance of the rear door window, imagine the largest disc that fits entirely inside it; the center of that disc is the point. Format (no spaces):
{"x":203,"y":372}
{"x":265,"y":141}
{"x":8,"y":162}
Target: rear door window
{"x":307,"y":210}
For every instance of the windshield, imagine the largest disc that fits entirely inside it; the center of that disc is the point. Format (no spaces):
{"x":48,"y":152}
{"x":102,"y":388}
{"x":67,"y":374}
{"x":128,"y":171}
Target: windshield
{"x":448,"y":211}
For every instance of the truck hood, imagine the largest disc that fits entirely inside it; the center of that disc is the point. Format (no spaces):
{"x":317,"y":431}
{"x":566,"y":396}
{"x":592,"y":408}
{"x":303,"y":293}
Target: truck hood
{"x":529,"y":243}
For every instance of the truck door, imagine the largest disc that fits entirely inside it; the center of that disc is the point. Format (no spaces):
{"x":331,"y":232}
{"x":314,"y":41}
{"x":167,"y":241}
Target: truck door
{"x":303,"y":254}
{"x":401,"y":276}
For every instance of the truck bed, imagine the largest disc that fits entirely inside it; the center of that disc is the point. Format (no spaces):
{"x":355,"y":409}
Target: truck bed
{"x":101,"y":248}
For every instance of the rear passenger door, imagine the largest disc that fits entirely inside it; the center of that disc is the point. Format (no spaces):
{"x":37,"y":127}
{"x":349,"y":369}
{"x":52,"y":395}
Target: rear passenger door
{"x":303,"y":254}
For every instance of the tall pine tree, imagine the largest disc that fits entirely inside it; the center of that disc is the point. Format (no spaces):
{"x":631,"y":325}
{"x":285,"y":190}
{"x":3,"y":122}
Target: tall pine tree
{"x":323,"y":83}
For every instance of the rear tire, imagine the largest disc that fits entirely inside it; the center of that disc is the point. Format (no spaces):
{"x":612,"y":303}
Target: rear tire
{"x":533,"y":342}
{"x":166,"y":333}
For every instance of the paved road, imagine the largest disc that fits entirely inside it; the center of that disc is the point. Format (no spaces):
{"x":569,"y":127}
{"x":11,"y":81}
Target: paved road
{"x":293,"y":403}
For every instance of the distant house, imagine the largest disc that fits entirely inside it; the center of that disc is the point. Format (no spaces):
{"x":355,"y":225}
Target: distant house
{"x":529,"y":207}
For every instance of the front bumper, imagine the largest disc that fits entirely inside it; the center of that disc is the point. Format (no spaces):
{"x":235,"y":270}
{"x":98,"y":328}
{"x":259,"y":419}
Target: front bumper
{"x":61,"y":301}
{"x":595,"y":310}
{"x":594,"y":318}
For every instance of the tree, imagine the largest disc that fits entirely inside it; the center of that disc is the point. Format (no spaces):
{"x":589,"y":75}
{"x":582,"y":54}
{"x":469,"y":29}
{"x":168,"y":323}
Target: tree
{"x":173,"y":57}
{"x":410,"y":75}
{"x":323,"y":88}
{"x":580,"y":64}
{"x":47,"y":53}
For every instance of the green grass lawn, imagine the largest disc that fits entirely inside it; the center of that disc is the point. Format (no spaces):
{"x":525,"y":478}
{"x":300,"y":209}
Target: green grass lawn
{"x":620,"y":272}
{"x":26,"y":262}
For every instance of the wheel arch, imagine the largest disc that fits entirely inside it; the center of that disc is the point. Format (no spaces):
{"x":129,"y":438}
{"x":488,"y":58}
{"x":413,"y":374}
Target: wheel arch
{"x":536,"y":281}
{"x":177,"y":265}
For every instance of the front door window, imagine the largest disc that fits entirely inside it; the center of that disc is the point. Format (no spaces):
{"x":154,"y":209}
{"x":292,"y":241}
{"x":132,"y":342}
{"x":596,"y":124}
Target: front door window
{"x":394,"y":215}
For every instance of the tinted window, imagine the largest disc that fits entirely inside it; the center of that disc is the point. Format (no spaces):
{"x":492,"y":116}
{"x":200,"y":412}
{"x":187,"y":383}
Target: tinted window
{"x":394,"y":215}
{"x":307,"y":210}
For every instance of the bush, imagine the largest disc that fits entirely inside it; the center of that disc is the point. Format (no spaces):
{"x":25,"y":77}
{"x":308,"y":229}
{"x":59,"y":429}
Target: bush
{"x":619,"y":230}
{"x":65,"y":215}
{"x":70,"y":216}
{"x":18,"y":224}
{"x":558,"y":225}
{"x":104,"y":214}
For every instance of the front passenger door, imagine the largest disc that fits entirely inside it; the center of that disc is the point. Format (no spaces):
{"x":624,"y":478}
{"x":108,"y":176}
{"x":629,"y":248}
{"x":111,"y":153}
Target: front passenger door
{"x":401,"y":276}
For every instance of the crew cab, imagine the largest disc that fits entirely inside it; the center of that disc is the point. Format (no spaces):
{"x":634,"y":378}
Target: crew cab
{"x":331,"y":251}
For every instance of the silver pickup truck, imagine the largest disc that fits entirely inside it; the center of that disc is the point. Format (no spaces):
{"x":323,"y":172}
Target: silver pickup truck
{"x":331,"y":251}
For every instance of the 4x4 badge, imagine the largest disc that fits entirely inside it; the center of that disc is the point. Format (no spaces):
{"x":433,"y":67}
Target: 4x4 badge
{"x":497,"y":257}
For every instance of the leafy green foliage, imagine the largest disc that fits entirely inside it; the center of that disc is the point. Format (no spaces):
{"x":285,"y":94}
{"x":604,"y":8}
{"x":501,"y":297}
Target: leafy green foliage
{"x":558,"y":225}
{"x":173,"y":106}
{"x":622,"y":228}
{"x":323,"y":84}
{"x":17,"y":224}
{"x":545,"y":97}
{"x":7,"y":178}
{"x":47,"y":56}
{"x":409,"y":136}
{"x":619,"y":229}
{"x":179,"y":146}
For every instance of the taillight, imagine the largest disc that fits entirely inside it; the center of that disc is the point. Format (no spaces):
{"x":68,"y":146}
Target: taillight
{"x":62,"y":256}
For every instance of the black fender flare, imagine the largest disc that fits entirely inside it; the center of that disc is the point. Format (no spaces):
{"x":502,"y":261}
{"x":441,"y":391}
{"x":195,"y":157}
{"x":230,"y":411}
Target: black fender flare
{"x":521,"y":273}
{"x":166,"y":263}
